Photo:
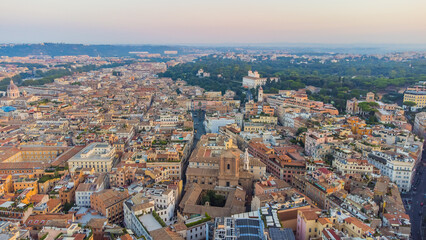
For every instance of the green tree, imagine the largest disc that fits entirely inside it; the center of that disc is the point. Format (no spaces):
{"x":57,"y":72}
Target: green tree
{"x":409,"y":104}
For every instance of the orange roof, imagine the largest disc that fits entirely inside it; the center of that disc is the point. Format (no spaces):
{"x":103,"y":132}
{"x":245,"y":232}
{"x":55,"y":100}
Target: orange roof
{"x":359,"y":224}
{"x":310,"y":214}
{"x":42,"y":219}
{"x":53,"y":203}
{"x":126,"y":237}
{"x":36,"y":198}
{"x":324,"y":221}
{"x":79,"y":236}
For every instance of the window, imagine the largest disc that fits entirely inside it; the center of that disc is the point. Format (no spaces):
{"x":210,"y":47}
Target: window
{"x":228,"y":166}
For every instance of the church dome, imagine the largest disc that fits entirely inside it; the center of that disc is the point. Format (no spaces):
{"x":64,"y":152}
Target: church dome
{"x":12,"y":86}
{"x":12,"y":90}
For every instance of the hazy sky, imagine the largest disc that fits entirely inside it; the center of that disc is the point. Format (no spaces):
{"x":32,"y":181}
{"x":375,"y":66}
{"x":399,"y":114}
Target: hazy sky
{"x":213,"y":21}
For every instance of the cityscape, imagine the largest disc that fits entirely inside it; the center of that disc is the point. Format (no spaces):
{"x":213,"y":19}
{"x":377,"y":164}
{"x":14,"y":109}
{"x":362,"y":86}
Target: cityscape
{"x":188,"y":137}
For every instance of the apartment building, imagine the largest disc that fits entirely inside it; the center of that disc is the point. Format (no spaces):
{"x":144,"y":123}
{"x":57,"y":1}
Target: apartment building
{"x":318,"y":185}
{"x":396,"y":165}
{"x":420,"y":125}
{"x":315,"y":138}
{"x":91,"y":184}
{"x":109,"y":203}
{"x":417,"y":94}
{"x":282,"y":163}
{"x":351,"y":166}
{"x":164,"y":202}
{"x":122,"y":176}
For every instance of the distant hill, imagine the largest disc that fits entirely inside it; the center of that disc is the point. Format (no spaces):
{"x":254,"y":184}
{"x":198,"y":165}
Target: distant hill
{"x":59,"y":49}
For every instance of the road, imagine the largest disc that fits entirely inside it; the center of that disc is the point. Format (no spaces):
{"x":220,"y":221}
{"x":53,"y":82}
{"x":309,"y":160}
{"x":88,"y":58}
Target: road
{"x":198,"y":118}
{"x":413,"y":200}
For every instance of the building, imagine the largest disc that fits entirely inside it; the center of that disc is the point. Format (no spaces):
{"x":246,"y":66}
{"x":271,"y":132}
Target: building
{"x":354,"y":227}
{"x":24,"y":183}
{"x":122,"y":176}
{"x":264,"y":119}
{"x":191,"y":204}
{"x":253,"y":80}
{"x":420,"y":125}
{"x":313,"y":139}
{"x":370,"y":97}
{"x":260,"y":95}
{"x":132,"y":208}
{"x":12,"y":90}
{"x":310,"y":224}
{"x":91,"y":184}
{"x":213,"y":123}
{"x":237,"y":228}
{"x":351,"y":166}
{"x":395,"y":165}
{"x":417,"y":94}
{"x":164,"y":200}
{"x":318,"y":185}
{"x":384,"y":116}
{"x":282,"y":162}
{"x":28,"y":153}
{"x":15,"y":211}
{"x":218,"y":162}
{"x":109,"y":203}
{"x":99,"y":156}
{"x":358,"y":126}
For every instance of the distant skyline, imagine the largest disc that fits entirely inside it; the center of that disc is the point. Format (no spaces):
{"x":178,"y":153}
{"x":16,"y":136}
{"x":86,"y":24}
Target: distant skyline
{"x":213,"y":22}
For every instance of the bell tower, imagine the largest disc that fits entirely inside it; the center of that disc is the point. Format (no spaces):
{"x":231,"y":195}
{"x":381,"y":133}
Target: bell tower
{"x":229,"y":169}
{"x":260,"y":95}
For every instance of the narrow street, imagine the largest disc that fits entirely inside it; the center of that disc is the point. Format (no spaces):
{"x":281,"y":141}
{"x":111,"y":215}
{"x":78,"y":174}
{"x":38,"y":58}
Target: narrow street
{"x":199,"y":130}
{"x":198,"y":118}
{"x":414,"y":199}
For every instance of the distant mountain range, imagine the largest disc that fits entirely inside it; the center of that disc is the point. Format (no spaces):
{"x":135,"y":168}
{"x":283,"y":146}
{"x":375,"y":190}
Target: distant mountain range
{"x":60,"y":49}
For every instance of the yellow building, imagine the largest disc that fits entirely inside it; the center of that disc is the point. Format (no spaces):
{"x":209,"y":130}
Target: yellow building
{"x":358,"y":126}
{"x":24,"y":183}
{"x":355,"y":228}
{"x":265,"y":119}
{"x":6,"y":184}
{"x":310,"y":224}
{"x":253,"y":127}
{"x":419,"y":97}
{"x":30,"y":154}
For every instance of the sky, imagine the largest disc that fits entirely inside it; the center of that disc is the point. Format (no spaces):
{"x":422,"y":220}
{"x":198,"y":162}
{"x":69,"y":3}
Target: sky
{"x":213,"y":21}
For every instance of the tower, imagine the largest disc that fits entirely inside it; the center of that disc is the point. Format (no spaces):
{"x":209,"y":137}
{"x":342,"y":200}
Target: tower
{"x":260,"y":95}
{"x":229,"y":169}
{"x":246,"y":160}
{"x":370,"y":97}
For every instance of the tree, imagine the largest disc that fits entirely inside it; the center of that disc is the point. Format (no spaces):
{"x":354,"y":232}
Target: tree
{"x":410,"y":103}
{"x":368,"y":107}
{"x":301,"y":130}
